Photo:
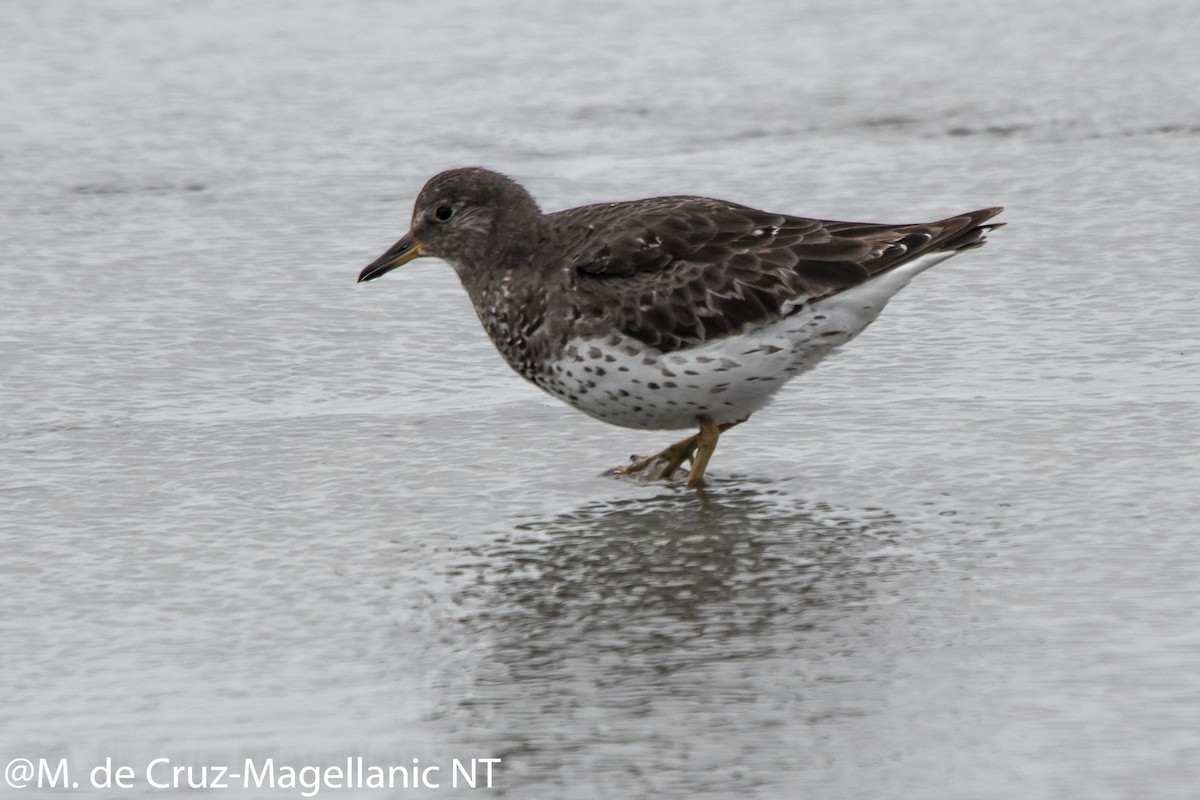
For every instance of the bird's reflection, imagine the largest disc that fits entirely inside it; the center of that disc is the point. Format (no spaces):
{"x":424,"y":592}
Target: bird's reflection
{"x":679,"y":575}
{"x":679,"y":629}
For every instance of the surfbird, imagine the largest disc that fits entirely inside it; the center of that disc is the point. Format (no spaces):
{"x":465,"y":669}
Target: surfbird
{"x":670,"y":312}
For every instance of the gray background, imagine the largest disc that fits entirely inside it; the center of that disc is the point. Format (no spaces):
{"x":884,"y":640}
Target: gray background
{"x":250,"y":508}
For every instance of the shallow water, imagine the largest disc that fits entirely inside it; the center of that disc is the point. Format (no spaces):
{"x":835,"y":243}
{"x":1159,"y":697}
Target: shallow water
{"x":250,"y":509}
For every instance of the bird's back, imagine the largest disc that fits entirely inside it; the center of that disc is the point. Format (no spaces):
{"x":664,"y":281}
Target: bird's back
{"x":675,"y":272}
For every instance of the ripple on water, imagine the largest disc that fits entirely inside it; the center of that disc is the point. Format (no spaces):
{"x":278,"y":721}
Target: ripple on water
{"x":622,"y":610}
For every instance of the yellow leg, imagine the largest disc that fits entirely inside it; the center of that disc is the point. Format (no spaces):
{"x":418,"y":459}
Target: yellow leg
{"x":710,"y":432}
{"x":692,"y":448}
{"x":668,"y":460}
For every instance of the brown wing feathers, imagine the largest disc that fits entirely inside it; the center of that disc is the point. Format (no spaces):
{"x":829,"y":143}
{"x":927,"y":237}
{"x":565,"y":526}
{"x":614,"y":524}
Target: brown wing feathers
{"x":706,"y":268}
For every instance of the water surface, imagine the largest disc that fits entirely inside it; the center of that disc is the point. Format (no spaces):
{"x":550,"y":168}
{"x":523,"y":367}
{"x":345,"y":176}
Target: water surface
{"x":248,"y":508}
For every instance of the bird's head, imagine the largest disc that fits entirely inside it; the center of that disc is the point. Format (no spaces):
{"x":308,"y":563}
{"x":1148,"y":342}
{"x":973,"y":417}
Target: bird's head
{"x":466,"y":217}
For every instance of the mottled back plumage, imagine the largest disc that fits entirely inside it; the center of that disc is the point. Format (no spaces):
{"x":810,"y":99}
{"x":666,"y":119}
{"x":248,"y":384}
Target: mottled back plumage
{"x":673,"y":272}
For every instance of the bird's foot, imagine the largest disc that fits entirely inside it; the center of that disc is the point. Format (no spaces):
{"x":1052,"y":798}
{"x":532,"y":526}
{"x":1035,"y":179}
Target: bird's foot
{"x":697,"y":450}
{"x":663,"y":465}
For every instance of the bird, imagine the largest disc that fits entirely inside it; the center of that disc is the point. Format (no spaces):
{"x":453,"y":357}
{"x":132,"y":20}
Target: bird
{"x":666,"y":313}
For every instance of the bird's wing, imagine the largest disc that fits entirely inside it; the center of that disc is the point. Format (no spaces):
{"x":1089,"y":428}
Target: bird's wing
{"x":673,"y":272}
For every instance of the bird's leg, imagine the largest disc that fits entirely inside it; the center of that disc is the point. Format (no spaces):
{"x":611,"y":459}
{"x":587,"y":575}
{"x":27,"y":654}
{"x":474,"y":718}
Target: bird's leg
{"x":706,"y":443}
{"x":671,"y":458}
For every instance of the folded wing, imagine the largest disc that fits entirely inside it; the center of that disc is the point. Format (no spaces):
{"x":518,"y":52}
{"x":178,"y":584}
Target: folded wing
{"x":694,"y":269}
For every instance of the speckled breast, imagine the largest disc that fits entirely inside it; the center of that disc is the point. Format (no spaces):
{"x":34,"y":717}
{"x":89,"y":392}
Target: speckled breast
{"x":625,"y":382}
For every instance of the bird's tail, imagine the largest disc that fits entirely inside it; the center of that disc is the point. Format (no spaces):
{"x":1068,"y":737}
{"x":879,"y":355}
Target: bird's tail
{"x":965,"y":231}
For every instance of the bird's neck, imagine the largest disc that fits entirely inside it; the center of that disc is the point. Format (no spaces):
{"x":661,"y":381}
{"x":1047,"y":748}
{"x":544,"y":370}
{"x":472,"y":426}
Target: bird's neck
{"x":511,"y":272}
{"x":511,"y":300}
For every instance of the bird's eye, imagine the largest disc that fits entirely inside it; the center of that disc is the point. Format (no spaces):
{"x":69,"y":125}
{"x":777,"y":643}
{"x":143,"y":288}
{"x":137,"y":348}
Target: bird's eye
{"x":443,"y":213}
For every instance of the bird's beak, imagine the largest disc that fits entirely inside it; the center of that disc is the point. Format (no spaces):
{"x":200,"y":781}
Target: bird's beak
{"x":397,"y":255}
